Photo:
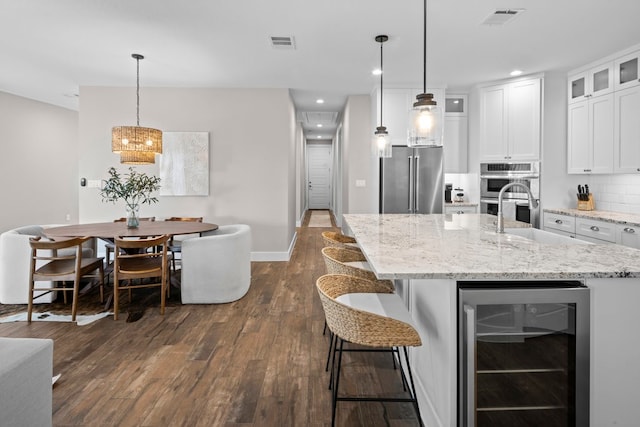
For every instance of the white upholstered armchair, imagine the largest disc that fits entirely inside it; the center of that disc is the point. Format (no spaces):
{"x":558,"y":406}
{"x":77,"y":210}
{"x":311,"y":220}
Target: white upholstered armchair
{"x":216,"y":267}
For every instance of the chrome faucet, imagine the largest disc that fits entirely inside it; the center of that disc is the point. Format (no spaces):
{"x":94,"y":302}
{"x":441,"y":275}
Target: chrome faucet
{"x":533,"y":203}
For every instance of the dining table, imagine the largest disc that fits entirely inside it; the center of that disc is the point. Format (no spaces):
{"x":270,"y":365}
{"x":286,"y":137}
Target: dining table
{"x":110,"y":230}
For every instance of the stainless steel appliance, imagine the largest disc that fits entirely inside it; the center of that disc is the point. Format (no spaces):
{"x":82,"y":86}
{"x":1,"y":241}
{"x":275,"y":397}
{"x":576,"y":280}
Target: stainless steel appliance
{"x":523,"y":354}
{"x":411,"y":181}
{"x":494,"y":176}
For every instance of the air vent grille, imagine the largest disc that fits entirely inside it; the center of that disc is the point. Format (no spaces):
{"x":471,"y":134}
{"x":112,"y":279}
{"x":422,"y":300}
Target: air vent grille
{"x":283,"y":42}
{"x":502,"y":16}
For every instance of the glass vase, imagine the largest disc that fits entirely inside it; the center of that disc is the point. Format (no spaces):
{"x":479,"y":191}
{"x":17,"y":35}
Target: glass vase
{"x":133,"y":221}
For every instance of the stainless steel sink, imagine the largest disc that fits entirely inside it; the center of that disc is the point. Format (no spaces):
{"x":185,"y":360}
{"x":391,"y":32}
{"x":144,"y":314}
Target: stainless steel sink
{"x":545,"y":237}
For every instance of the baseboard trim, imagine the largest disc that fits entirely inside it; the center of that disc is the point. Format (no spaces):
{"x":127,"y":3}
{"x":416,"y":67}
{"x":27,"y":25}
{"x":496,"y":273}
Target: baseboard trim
{"x":275,"y":256}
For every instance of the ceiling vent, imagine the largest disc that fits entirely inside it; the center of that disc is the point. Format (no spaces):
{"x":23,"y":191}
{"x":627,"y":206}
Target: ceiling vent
{"x":502,"y":16}
{"x":282,"y":42}
{"x":314,"y":118}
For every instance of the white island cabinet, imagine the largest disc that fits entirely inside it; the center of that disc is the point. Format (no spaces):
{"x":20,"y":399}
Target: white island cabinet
{"x":429,"y":255}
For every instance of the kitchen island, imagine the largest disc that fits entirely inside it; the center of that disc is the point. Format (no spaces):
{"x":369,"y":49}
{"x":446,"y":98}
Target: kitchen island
{"x":428,"y":255}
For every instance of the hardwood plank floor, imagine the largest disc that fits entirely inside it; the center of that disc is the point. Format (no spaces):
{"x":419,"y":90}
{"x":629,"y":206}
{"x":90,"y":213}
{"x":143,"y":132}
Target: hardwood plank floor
{"x":255,"y":362}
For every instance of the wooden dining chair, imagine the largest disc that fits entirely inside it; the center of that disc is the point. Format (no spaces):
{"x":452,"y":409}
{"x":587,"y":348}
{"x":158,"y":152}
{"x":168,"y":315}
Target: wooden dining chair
{"x":140,"y":259}
{"x":109,"y":246}
{"x":175,"y":244}
{"x":51,"y":264}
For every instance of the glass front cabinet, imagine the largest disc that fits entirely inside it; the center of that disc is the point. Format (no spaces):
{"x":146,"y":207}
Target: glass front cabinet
{"x":626,"y":70}
{"x":593,"y":82}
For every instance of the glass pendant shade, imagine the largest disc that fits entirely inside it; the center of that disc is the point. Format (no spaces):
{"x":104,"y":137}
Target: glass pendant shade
{"x":425,"y":118}
{"x":382,"y":142}
{"x":425,"y":124}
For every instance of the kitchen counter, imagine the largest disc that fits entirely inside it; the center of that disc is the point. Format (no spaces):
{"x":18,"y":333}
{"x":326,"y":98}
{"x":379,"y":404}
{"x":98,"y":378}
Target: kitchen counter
{"x":608,"y":216}
{"x":466,"y":247}
{"x":430,"y":254}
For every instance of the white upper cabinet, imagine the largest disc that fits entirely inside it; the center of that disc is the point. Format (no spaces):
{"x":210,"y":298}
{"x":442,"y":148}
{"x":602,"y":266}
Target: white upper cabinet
{"x":510,"y":121}
{"x":590,"y":135}
{"x":591,"y":83}
{"x":455,"y":134}
{"x":627,"y":130}
{"x":626,"y":71}
{"x":603,"y":115}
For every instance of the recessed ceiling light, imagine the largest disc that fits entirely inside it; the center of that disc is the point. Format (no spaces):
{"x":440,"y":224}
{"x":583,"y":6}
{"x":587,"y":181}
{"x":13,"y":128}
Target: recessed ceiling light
{"x":318,"y":137}
{"x":376,"y":72}
{"x":319,"y":125}
{"x":516,"y":73}
{"x":319,"y":101}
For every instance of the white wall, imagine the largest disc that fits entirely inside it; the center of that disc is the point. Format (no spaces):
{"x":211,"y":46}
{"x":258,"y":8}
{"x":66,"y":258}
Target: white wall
{"x":358,"y":161}
{"x":252,"y":155}
{"x":557,"y":188}
{"x":39,"y":163}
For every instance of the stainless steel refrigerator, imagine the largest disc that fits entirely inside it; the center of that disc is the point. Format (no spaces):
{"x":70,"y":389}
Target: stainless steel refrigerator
{"x":411,"y":181}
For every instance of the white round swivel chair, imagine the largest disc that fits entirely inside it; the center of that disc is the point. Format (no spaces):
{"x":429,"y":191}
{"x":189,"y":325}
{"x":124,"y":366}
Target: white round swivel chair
{"x":216,"y":267}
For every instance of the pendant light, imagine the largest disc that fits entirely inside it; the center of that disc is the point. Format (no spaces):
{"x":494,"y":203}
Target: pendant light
{"x":425,"y":123}
{"x":136,"y":145}
{"x":382,"y":141}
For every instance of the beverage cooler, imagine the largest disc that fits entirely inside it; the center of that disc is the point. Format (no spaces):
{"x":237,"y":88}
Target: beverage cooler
{"x":523,"y":354}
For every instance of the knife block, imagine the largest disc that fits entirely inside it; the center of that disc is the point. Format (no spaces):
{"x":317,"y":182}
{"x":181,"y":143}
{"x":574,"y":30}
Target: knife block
{"x":586,"y":205}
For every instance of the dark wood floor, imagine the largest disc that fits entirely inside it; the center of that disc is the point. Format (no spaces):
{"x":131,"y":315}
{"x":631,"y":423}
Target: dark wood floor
{"x":255,"y":362}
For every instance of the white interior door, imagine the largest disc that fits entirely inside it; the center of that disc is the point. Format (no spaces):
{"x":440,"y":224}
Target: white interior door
{"x":319,"y":176}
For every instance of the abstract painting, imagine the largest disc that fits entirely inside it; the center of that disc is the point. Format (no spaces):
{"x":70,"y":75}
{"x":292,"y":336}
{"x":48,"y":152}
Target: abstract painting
{"x":184,"y":164}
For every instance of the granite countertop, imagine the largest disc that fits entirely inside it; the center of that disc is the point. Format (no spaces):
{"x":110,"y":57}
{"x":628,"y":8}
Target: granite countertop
{"x":607,"y":216}
{"x":403,"y":246}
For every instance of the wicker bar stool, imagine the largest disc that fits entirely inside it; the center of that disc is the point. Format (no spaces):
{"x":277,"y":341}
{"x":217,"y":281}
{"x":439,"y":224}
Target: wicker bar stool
{"x":352,"y":263}
{"x":375,"y":320}
{"x":339,"y":240}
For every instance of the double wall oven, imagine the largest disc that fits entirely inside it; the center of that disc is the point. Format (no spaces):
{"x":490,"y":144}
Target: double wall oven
{"x":494,"y":176}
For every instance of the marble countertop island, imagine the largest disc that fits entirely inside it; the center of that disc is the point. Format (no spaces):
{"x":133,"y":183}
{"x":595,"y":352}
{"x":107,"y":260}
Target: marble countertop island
{"x":466,"y":247}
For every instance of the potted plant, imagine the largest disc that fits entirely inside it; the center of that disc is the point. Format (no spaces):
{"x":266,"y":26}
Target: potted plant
{"x":134,"y":188}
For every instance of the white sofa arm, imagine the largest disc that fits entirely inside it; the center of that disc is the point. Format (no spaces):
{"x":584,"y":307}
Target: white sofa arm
{"x":216,"y":267}
{"x":25,"y":382}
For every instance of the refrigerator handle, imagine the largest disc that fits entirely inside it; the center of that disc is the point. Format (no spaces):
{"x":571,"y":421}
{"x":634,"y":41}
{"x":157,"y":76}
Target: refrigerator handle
{"x":417,"y":184}
{"x":410,"y":184}
{"x":469,"y":354}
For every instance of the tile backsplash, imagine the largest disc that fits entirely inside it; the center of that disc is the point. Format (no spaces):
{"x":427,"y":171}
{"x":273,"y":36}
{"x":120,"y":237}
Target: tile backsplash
{"x":619,"y":193}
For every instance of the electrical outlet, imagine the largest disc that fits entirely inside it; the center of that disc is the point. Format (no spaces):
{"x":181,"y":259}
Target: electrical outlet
{"x":94,"y":183}
{"x":361,"y":183}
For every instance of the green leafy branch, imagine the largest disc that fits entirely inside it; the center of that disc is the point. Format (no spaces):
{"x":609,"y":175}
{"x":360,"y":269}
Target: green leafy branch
{"x":133,"y":187}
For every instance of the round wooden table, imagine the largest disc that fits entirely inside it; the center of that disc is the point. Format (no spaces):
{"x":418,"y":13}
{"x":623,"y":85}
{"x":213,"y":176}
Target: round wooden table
{"x":109,"y":230}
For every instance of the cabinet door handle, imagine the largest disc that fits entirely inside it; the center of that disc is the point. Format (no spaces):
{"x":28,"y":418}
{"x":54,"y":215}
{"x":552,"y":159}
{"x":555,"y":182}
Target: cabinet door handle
{"x":629,"y":230}
{"x":594,"y":228}
{"x":558,"y":221}
{"x":587,"y":170}
{"x":638,"y":169}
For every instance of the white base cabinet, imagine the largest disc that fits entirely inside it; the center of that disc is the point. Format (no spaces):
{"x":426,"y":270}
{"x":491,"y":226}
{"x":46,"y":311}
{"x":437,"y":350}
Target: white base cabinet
{"x":614,"y":350}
